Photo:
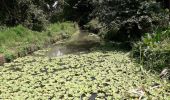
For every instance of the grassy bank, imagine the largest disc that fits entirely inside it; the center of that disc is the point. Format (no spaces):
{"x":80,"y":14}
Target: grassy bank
{"x":19,"y":41}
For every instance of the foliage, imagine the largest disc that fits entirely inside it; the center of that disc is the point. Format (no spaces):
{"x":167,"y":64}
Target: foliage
{"x":78,"y":10}
{"x":31,"y":13}
{"x":154,"y":50}
{"x":36,"y":19}
{"x":131,"y":18}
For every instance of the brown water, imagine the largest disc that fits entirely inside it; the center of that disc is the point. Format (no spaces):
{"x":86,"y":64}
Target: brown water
{"x":79,"y":43}
{"x":60,"y":50}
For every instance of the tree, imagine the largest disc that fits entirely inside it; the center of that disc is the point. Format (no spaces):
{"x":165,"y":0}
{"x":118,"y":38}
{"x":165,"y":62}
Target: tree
{"x":129,"y":19}
{"x":78,"y":10}
{"x":30,"y":13}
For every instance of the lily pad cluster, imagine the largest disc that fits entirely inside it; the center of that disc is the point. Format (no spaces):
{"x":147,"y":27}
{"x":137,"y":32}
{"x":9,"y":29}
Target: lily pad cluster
{"x":109,"y":75}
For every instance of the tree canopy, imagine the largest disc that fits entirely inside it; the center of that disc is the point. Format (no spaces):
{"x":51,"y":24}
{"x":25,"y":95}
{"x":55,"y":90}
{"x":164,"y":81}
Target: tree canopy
{"x":129,"y":18}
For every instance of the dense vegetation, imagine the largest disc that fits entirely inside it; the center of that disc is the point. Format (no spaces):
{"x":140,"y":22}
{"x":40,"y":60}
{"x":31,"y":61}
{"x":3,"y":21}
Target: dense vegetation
{"x":129,"y":19}
{"x":34,"y":14}
{"x":133,"y":47}
{"x":154,"y":50}
{"x":125,"y":21}
{"x":102,"y":74}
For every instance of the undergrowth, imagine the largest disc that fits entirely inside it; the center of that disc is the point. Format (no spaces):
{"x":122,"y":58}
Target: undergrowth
{"x":153,"y":50}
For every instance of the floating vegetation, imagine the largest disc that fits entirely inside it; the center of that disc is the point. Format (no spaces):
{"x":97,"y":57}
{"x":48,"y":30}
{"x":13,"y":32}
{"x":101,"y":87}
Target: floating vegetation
{"x":109,"y":75}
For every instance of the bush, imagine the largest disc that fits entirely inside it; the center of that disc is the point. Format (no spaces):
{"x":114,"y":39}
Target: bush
{"x":31,"y":13}
{"x":78,"y":10}
{"x":153,"y":50}
{"x":36,"y":19}
{"x":131,"y":18}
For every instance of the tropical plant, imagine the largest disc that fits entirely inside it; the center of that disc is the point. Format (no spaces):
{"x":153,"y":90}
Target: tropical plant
{"x":153,"y":50}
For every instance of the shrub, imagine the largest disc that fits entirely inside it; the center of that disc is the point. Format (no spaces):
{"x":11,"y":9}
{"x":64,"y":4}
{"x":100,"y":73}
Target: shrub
{"x":153,"y":50}
{"x":36,"y":19}
{"x":78,"y":10}
{"x":31,"y":13}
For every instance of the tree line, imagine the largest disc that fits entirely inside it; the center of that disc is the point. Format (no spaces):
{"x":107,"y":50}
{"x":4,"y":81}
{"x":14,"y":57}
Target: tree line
{"x":127,"y":19}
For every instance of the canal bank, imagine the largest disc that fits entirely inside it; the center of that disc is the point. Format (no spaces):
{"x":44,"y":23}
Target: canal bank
{"x":19,"y":41}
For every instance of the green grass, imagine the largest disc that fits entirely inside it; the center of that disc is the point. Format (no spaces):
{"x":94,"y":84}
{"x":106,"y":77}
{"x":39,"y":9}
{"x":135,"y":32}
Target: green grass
{"x":17,"y":38}
{"x":112,"y":75}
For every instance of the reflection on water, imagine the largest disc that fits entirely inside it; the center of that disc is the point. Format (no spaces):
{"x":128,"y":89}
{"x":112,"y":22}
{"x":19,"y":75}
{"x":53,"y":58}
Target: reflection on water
{"x":78,"y":44}
{"x":60,"y":50}
{"x":57,"y":52}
